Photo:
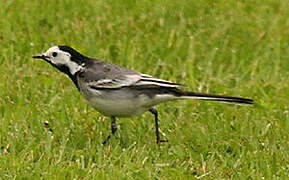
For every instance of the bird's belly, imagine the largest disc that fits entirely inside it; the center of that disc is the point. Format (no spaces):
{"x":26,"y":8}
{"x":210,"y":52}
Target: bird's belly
{"x":118,"y":107}
{"x":118,"y":103}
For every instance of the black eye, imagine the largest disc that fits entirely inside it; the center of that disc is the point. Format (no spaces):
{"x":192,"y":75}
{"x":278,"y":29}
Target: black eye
{"x":54,"y":54}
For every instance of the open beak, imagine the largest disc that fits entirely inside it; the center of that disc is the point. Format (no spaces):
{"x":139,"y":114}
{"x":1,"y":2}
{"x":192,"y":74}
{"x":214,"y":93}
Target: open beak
{"x":40,"y":56}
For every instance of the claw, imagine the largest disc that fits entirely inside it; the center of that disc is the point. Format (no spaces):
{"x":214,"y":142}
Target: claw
{"x":162,"y":141}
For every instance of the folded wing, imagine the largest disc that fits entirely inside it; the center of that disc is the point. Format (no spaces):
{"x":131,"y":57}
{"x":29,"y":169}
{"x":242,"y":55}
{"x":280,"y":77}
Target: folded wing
{"x":133,"y":80}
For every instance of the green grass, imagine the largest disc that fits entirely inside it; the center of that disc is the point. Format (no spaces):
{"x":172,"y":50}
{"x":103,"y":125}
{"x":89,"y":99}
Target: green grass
{"x":235,"y":48}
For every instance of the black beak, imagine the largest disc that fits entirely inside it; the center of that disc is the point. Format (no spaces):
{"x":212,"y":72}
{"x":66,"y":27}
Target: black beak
{"x":40,"y":56}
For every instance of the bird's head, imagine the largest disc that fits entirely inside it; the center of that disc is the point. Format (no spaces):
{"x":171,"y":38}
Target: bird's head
{"x":64,"y":58}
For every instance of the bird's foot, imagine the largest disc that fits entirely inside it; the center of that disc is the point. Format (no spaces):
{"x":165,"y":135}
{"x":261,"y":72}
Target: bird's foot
{"x":160,"y":141}
{"x":106,"y":140}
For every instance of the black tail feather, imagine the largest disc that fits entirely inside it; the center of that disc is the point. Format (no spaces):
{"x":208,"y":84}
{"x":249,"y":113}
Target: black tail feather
{"x":213,"y":97}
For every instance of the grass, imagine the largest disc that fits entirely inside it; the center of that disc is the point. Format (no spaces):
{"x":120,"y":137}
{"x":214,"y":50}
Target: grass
{"x":226,"y":47}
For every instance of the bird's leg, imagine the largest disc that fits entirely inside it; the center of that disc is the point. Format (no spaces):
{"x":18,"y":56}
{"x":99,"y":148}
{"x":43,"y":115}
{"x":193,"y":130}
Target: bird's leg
{"x":113,"y":130}
{"x":155,"y":113}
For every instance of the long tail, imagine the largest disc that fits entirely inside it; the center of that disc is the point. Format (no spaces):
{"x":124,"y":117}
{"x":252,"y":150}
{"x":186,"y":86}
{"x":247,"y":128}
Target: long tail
{"x":212,"y":97}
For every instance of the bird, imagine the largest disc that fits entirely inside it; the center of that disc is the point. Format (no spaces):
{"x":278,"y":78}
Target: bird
{"x":116,"y":91}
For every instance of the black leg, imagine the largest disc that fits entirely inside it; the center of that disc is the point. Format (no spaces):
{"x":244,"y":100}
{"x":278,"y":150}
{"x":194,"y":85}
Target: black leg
{"x":113,"y":130}
{"x":155,"y":113}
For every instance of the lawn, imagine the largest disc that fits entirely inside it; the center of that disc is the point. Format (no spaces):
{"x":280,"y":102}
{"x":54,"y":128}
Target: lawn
{"x":238,"y":48}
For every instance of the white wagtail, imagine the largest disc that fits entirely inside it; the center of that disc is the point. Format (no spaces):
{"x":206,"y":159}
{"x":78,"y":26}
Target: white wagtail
{"x":116,"y":91}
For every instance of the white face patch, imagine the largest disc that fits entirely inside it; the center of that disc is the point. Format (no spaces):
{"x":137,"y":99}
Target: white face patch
{"x":59,"y":57}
